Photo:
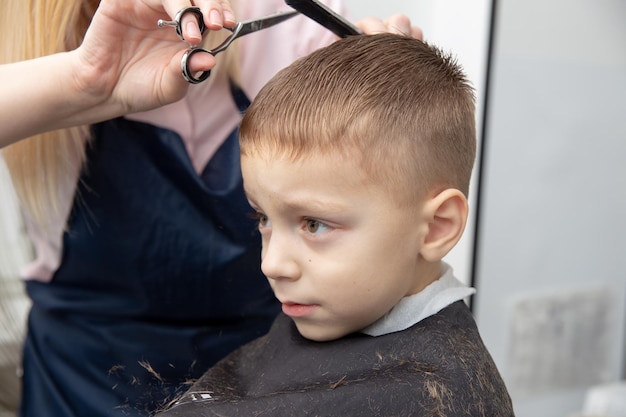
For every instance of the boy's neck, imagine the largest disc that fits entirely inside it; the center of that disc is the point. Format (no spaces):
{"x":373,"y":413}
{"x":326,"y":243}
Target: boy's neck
{"x":429,"y":272}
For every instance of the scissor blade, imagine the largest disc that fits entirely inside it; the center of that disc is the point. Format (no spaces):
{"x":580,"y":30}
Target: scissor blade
{"x":254,"y":25}
{"x":325,"y":16}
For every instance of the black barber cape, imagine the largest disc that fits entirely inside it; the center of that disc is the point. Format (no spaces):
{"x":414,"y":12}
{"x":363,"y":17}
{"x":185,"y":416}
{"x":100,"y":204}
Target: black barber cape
{"x":438,"y":367}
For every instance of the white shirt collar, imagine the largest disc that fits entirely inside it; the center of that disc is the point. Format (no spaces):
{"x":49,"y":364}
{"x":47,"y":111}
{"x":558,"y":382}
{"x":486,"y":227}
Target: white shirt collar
{"x":415,"y":308}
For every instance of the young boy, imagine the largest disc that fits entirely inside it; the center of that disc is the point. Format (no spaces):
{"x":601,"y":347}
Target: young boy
{"x":357,"y":161}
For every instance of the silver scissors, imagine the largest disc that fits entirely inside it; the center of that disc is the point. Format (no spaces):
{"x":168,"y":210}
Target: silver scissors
{"x":241,"y":29}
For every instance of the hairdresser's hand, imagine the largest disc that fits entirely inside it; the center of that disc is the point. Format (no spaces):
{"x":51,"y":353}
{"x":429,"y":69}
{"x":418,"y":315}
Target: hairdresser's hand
{"x":125,"y":64}
{"x":127,"y":60}
{"x":398,"y":23}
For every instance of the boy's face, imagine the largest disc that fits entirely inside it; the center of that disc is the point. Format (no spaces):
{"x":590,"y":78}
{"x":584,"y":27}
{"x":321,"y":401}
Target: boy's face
{"x":337,"y":250}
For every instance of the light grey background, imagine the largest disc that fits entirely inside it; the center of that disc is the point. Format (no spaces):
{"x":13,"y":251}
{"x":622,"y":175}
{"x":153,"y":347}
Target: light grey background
{"x":552,"y":236}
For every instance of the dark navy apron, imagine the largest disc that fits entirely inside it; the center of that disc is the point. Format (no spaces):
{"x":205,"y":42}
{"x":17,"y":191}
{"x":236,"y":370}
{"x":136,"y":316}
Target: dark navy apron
{"x":160,"y":278}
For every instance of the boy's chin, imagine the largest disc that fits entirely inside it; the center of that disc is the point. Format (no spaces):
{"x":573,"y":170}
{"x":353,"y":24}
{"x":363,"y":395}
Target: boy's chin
{"x":319,"y":332}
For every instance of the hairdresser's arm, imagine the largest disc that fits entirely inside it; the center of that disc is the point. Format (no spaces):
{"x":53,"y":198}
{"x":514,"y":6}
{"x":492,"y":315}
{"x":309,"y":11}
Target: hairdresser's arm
{"x":124,"y":65}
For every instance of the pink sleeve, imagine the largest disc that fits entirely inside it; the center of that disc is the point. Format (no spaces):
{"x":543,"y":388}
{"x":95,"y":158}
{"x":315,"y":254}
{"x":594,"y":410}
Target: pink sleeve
{"x":267,"y":52}
{"x":47,"y":244}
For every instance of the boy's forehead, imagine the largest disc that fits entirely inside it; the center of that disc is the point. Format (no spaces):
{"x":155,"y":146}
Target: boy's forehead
{"x":332,"y":168}
{"x":268,"y":171}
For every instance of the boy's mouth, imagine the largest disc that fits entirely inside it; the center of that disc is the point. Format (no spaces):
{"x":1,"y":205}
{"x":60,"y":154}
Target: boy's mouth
{"x":298,"y":310}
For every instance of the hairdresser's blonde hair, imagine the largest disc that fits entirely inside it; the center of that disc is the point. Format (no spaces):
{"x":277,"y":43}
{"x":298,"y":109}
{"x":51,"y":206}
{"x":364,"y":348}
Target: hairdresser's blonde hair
{"x":34,"y":28}
{"x":403,"y":110}
{"x":40,"y":164}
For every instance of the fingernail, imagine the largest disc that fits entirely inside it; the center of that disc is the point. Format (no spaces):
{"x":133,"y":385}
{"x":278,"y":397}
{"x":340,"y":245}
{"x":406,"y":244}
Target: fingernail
{"x":215,"y":18}
{"x":229,"y":16}
{"x":193,"y":32}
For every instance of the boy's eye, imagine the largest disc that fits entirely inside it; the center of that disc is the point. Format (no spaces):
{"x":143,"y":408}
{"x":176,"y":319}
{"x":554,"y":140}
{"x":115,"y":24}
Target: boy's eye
{"x":315,"y":226}
{"x":261,"y":219}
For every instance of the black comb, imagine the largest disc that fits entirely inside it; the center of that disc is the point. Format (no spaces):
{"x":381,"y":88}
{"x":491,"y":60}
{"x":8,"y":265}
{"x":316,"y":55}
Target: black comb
{"x":326,"y":17}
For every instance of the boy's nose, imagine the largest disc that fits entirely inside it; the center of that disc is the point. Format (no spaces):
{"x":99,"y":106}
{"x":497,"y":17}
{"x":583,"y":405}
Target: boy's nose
{"x":278,"y":260}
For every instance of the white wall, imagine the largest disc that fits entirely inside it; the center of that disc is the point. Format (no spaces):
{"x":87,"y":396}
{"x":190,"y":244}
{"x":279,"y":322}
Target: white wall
{"x":14,"y":251}
{"x":462,"y":28}
{"x":552,"y":236}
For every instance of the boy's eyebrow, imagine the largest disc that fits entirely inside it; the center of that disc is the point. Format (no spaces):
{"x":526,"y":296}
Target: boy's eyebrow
{"x":300,"y":204}
{"x":314,"y":204}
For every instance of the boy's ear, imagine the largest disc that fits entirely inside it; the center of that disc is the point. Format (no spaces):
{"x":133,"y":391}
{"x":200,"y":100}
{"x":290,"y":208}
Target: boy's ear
{"x":446,"y":215}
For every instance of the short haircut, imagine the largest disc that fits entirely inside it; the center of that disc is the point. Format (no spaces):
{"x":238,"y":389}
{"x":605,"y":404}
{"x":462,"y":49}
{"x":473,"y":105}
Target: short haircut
{"x":402,"y":107}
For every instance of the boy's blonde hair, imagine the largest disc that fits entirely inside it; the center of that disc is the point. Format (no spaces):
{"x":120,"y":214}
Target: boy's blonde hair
{"x":402,"y":108}
{"x":41,"y":164}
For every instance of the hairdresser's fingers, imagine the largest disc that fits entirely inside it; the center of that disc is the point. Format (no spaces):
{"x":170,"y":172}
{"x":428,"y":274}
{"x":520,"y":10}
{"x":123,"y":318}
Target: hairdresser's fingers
{"x":417,"y":33}
{"x":398,"y":24}
{"x":371,"y":25}
{"x":201,"y":62}
{"x":217,"y":13}
{"x":189,"y":21}
{"x":401,"y":24}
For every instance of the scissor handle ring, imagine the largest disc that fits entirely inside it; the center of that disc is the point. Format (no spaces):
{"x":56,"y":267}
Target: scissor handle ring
{"x":184,"y":66}
{"x":177,"y":22}
{"x":179,"y":17}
